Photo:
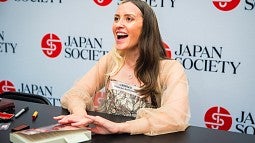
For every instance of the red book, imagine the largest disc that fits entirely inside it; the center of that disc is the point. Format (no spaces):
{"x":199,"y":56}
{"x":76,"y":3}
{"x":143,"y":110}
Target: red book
{"x":6,"y":105}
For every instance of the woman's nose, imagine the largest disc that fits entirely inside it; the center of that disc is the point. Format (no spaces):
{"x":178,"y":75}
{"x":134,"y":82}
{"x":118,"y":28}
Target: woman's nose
{"x":120,"y":23}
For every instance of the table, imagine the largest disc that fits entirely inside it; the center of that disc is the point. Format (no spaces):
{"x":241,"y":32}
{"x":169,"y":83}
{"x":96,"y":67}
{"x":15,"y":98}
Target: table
{"x":192,"y":135}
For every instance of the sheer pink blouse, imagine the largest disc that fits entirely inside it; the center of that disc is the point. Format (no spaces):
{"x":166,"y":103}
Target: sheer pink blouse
{"x":173,"y":114}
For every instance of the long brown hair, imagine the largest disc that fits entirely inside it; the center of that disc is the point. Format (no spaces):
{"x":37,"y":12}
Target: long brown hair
{"x":151,"y":51}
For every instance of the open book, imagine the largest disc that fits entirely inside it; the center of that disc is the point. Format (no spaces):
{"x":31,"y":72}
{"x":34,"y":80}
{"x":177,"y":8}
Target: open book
{"x":51,"y":134}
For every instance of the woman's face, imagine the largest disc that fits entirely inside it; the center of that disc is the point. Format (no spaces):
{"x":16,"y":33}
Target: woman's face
{"x":127,"y":26}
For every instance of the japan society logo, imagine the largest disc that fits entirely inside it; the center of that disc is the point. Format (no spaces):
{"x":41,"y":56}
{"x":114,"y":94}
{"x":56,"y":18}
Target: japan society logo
{"x":218,"y":118}
{"x":51,"y":45}
{"x":167,"y":50}
{"x":102,"y":2}
{"x":226,"y":5}
{"x":6,"y":85}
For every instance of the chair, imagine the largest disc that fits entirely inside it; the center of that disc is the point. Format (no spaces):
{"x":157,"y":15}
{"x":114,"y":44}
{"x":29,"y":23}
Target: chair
{"x":25,"y":97}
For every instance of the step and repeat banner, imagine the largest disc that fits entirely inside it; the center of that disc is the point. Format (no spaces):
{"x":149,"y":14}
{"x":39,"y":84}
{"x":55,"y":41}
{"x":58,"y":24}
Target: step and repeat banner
{"x":47,"y":45}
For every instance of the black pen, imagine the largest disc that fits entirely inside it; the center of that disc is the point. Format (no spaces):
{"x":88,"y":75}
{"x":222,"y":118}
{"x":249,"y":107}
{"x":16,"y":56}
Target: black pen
{"x":21,"y":112}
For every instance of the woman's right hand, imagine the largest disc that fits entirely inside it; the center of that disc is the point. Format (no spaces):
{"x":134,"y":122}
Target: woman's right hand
{"x":74,"y":120}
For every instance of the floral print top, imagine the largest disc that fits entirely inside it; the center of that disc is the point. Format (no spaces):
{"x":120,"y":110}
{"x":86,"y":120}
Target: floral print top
{"x":122,"y":99}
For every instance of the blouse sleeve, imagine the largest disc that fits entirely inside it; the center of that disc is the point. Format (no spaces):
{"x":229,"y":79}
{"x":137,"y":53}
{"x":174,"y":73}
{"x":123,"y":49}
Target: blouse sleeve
{"x":174,"y":113}
{"x":80,"y":96}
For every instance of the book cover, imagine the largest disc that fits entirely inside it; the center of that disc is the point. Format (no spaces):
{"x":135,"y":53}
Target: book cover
{"x":56,"y":133}
{"x":6,"y":105}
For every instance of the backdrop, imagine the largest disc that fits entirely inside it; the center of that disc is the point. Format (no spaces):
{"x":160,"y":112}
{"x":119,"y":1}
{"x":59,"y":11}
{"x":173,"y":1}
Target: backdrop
{"x":46,"y":45}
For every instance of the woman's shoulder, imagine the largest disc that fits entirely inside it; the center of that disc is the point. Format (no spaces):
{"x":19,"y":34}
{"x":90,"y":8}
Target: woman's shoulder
{"x":170,"y":63}
{"x":106,"y":62}
{"x":106,"y":59}
{"x":170,"y":68}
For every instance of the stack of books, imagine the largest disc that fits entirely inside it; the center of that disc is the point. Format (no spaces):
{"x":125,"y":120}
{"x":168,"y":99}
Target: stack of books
{"x":56,"y":133}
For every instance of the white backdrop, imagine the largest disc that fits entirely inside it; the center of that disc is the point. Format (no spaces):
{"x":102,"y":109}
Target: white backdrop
{"x":214,"y":43}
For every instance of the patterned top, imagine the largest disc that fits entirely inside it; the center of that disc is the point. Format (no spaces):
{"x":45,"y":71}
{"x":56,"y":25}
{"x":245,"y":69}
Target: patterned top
{"x":122,"y":99}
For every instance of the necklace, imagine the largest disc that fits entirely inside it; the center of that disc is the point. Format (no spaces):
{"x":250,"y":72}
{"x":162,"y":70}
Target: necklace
{"x":130,"y":76}
{"x":129,"y":72}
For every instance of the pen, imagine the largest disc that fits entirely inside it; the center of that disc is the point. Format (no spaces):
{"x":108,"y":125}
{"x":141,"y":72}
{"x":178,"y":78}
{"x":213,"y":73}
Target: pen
{"x":35,"y":114}
{"x":21,"y":112}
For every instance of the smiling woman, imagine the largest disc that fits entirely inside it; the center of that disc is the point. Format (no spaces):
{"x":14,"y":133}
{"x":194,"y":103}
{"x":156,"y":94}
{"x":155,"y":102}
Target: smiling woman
{"x":137,"y":78}
{"x":127,"y":26}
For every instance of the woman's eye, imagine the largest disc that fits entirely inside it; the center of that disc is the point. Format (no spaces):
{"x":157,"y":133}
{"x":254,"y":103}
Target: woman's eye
{"x":129,"y":19}
{"x":116,"y":19}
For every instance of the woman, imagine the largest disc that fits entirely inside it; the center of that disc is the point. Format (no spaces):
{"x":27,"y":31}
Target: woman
{"x":139,"y":81}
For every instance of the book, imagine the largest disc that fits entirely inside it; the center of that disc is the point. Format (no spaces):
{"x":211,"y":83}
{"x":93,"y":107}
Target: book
{"x":56,"y":133}
{"x":6,"y":105}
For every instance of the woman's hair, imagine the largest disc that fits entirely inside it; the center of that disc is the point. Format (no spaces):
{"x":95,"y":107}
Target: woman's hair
{"x":151,"y":52}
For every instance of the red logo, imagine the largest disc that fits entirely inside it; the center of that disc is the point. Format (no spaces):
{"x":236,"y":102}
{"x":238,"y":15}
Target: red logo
{"x":3,"y":0}
{"x":218,"y":118}
{"x":6,"y":85}
{"x":102,"y":2}
{"x":51,"y":45}
{"x":226,"y":5}
{"x":167,"y":50}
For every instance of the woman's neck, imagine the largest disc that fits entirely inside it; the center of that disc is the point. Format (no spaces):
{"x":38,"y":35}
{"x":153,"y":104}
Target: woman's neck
{"x":131,"y":58}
